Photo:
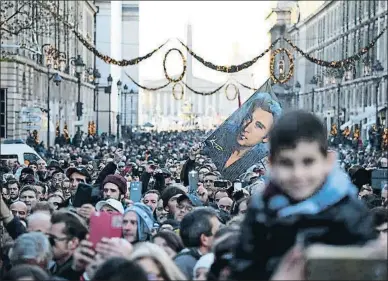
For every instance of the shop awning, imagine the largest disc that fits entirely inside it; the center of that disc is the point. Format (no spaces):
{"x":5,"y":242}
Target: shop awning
{"x":346,"y":124}
{"x":370,"y":112}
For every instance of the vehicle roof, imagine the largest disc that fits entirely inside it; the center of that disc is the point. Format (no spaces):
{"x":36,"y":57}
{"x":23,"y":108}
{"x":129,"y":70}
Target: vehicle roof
{"x":14,"y":148}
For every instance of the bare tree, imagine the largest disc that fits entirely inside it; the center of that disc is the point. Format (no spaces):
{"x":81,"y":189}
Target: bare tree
{"x":27,"y":23}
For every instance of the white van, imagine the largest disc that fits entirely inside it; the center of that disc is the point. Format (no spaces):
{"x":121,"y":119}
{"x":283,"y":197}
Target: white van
{"x":20,"y":151}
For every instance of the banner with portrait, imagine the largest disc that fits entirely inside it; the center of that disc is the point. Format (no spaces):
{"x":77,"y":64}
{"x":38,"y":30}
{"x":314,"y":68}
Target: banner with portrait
{"x":241,"y":141}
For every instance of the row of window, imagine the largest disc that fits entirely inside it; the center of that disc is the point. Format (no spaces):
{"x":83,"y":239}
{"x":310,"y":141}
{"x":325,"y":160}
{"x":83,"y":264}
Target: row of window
{"x":3,"y":113}
{"x":360,"y":97}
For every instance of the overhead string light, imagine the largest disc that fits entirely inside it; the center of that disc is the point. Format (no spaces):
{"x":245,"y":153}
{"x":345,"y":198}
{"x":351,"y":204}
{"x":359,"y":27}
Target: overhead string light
{"x":204,"y":93}
{"x":341,"y":63}
{"x":111,"y":60}
{"x":147,"y":88}
{"x":229,"y":68}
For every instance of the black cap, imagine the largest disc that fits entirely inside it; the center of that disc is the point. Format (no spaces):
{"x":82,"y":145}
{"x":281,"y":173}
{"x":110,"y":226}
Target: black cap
{"x":79,"y":170}
{"x":27,"y":171}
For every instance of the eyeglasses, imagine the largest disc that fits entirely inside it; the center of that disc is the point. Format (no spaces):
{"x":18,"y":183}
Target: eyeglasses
{"x":52,"y":239}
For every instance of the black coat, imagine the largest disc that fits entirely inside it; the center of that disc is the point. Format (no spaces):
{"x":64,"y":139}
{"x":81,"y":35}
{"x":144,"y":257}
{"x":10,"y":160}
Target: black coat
{"x":263,"y":244}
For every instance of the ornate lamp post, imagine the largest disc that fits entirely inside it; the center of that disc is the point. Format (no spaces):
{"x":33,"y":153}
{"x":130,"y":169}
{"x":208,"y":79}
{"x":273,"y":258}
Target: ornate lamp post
{"x":313,"y":82}
{"x":108,"y":90}
{"x":119,"y":84}
{"x":297,"y":88}
{"x":377,"y":69}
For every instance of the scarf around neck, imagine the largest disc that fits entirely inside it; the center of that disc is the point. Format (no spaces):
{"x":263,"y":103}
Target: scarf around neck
{"x":336,"y":187}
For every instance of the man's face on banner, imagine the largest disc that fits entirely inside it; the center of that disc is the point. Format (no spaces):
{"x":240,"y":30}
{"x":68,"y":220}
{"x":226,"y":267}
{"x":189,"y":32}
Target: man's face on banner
{"x":255,"y":129}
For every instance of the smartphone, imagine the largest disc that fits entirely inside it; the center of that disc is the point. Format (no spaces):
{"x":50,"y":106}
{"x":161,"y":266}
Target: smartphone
{"x":221,"y":184}
{"x":237,"y":186}
{"x":83,"y":195}
{"x":112,"y":226}
{"x":193,"y":181}
{"x":136,"y":191}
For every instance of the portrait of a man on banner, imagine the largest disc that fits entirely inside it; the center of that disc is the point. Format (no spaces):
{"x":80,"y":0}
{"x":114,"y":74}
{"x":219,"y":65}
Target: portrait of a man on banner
{"x":241,"y":141}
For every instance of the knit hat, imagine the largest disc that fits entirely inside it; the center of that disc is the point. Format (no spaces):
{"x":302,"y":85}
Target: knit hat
{"x":118,"y":180}
{"x":145,"y":220}
{"x":205,"y":261}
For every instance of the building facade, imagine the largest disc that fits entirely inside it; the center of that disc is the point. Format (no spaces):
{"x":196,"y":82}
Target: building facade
{"x":334,"y":31}
{"x":118,"y":37}
{"x":27,"y":81}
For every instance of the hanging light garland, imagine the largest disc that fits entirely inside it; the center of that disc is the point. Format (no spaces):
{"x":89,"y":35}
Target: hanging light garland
{"x":146,"y":88}
{"x":230,"y":68}
{"x":204,"y":93}
{"x":174,"y":93}
{"x":341,"y":63}
{"x":272,"y":67}
{"x":172,"y":80}
{"x":236,"y":92}
{"x":110,"y":60}
{"x":246,"y":86}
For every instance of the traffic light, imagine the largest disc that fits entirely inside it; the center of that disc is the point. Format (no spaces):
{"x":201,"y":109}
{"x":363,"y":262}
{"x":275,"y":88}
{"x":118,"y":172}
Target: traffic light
{"x":80,"y":108}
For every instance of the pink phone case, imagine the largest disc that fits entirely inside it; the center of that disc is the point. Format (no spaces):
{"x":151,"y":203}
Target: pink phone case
{"x":105,"y":225}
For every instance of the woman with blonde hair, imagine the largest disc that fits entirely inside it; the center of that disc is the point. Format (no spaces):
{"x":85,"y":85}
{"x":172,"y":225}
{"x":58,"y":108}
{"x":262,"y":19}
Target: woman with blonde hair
{"x":156,"y":262}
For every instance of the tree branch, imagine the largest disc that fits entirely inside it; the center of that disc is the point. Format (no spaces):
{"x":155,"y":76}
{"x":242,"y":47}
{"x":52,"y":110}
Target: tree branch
{"x":12,"y":16}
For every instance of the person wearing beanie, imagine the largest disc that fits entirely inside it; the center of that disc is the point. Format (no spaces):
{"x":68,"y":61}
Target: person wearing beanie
{"x":138,"y":223}
{"x":202,"y":267}
{"x":115,"y":187}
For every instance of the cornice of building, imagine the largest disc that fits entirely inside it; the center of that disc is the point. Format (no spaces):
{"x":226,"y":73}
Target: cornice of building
{"x":311,"y":16}
{"x":25,"y":61}
{"x":91,"y":6}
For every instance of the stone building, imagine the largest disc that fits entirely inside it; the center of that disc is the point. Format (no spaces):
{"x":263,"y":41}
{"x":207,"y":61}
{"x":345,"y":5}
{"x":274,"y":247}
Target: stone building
{"x":25,"y":72}
{"x":333,"y":31}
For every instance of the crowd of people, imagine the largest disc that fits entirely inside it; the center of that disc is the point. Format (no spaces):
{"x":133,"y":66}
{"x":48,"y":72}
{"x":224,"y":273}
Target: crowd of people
{"x":250,"y":229}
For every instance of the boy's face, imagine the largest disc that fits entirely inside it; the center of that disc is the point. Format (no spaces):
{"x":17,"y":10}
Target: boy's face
{"x":302,"y":170}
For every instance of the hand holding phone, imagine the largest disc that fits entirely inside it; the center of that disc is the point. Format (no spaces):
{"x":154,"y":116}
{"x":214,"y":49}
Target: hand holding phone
{"x":105,"y":225}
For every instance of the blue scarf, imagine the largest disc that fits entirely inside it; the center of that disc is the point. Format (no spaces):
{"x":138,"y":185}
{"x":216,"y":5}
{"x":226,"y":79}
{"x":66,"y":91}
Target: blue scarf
{"x":337,"y":186}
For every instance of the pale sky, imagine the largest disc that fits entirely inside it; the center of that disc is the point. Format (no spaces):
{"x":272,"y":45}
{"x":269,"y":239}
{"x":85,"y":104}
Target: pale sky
{"x":216,"y":27}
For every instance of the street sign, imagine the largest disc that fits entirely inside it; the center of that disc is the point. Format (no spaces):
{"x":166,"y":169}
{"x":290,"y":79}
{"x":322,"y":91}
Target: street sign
{"x":31,"y":119}
{"x":31,"y":127}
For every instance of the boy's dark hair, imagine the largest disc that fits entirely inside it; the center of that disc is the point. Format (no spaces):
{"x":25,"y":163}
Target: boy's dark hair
{"x":294,"y":127}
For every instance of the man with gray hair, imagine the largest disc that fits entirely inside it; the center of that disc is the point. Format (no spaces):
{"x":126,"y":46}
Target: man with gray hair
{"x":39,"y":222}
{"x":32,"y":248}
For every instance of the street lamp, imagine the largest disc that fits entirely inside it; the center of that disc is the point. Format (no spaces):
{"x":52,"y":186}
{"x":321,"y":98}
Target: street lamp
{"x":377,"y":71}
{"x":79,"y":65}
{"x":108,"y":90}
{"x":119,"y":84}
{"x":297,"y":88}
{"x":96,"y":82}
{"x":313,"y":82}
{"x":125,"y":92}
{"x":57,"y":80}
{"x":338,"y":76}
{"x":56,"y":60}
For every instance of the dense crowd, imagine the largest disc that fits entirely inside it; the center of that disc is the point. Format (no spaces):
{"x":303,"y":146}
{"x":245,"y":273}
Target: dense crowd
{"x":250,"y":229}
